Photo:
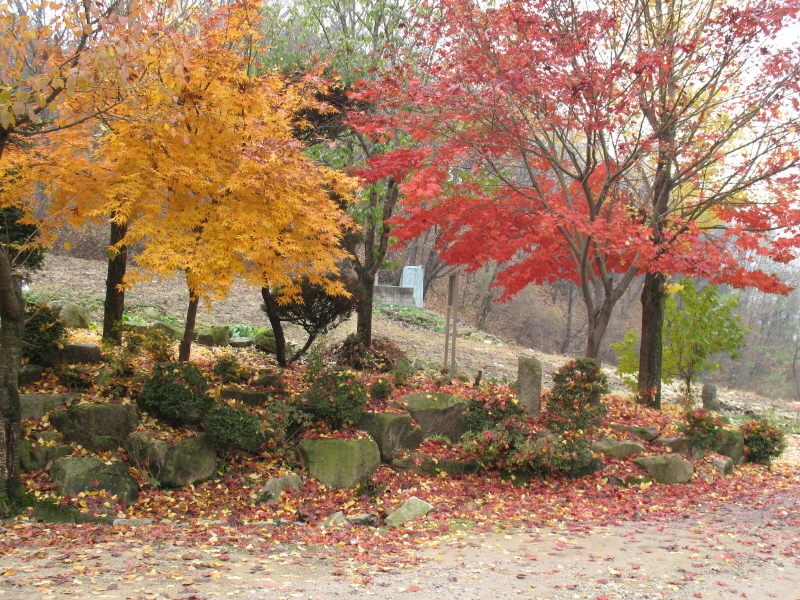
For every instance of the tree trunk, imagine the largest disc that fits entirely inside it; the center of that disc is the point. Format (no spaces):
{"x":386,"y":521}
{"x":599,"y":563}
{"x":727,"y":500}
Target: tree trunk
{"x":653,"y":296}
{"x":277,"y":329}
{"x":12,"y":324}
{"x":364,"y":309}
{"x":114,"y":305}
{"x":188,"y":332}
{"x":598,"y":322}
{"x":568,"y":333}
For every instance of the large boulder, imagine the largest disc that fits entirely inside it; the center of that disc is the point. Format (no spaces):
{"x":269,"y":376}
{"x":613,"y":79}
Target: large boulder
{"x":340,"y":463}
{"x":34,"y":456}
{"x":36,"y":406}
{"x":74,"y":316}
{"x":73,"y":353}
{"x":177,"y":464}
{"x":171,"y":330}
{"x":273,"y":488}
{"x":265,"y":341}
{"x":617,"y":448}
{"x":709,"y":396}
{"x":96,"y":427}
{"x":529,"y":384}
{"x":648,"y":434}
{"x":410,"y":509}
{"x":29,"y":374}
{"x":75,"y":474}
{"x":438,"y":414}
{"x":215,"y":335}
{"x":667,"y":468}
{"x":248,"y":397}
{"x":732,"y":445}
{"x":392,"y":432}
{"x":681,"y":446}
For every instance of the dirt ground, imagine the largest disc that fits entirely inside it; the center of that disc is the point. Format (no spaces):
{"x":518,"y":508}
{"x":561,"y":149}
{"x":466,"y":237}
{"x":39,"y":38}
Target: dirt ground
{"x":720,"y":551}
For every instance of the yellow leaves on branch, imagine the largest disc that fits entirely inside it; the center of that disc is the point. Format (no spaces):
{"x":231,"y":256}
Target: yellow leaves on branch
{"x":207,"y":171}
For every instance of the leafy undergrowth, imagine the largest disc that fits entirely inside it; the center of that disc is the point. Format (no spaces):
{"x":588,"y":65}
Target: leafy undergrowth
{"x":223,"y":511}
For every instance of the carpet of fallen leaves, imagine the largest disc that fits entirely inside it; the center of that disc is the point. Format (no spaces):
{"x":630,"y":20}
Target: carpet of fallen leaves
{"x":223,"y":513}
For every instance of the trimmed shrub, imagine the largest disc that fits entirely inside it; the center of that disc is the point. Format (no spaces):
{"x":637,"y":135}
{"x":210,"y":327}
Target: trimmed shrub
{"x":574,"y":401}
{"x":176,"y":393}
{"x":763,"y":441}
{"x":382,"y":356}
{"x":230,"y":426}
{"x":703,"y":429}
{"x":381,"y":389}
{"x":338,"y":398}
{"x":44,"y":331}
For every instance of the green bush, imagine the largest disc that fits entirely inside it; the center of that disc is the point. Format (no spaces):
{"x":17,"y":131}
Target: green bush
{"x":176,"y":393}
{"x":763,"y":441}
{"x":383,"y":356}
{"x":703,"y":429}
{"x":338,"y":398}
{"x":381,"y":389}
{"x":227,"y":368}
{"x":44,"y":331}
{"x":75,"y":377}
{"x":574,"y":401}
{"x":230,"y":426}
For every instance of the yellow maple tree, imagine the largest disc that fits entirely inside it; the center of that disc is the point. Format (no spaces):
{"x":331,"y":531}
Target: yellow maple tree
{"x":207,"y":173}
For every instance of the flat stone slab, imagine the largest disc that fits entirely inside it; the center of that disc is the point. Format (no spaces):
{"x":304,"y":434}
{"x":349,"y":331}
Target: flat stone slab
{"x":340,"y":463}
{"x":666,"y":469}
{"x":410,"y":509}
{"x":36,"y":406}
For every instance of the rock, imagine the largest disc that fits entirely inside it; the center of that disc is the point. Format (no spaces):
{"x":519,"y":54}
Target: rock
{"x":216,"y":335}
{"x":410,"y":509}
{"x":529,"y":385}
{"x":49,"y":512}
{"x":392,"y":432}
{"x":74,"y":316}
{"x":585,"y":467}
{"x":732,"y":445}
{"x":75,"y":474}
{"x":681,"y":446}
{"x":723,"y":465}
{"x":617,"y":448}
{"x":96,"y":427}
{"x":265,"y":341}
{"x":709,"y":396}
{"x":151,"y":313}
{"x":340,"y":463}
{"x":240,"y":342}
{"x":73,"y":353}
{"x":35,"y":456}
{"x":248,"y":397}
{"x":176,"y":464}
{"x":36,"y":406}
{"x":269,"y":379}
{"x":171,"y":330}
{"x":335,"y":520}
{"x":363,"y":520}
{"x":438,"y":414}
{"x":648,"y":434}
{"x":140,"y":328}
{"x":669,"y":468}
{"x":273,"y":488}
{"x":423,"y":464}
{"x":29,"y":374}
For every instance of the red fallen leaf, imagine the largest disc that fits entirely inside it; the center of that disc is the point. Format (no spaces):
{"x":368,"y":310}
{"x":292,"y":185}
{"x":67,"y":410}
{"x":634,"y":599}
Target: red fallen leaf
{"x":722,"y":583}
{"x":697,"y":595}
{"x":603,"y":597}
{"x":414,"y":588}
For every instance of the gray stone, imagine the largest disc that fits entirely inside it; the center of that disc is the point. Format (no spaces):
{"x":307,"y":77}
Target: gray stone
{"x":583,"y":467}
{"x":215,"y":335}
{"x":143,"y":521}
{"x":73,"y":353}
{"x":423,"y":464}
{"x":667,"y":469}
{"x":648,"y":434}
{"x":364,"y":519}
{"x":529,"y":385}
{"x":151,"y":313}
{"x":75,"y":474}
{"x":273,"y":488}
{"x":29,"y":374}
{"x":265,"y":341}
{"x":171,"y":330}
{"x":335,"y":520}
{"x":74,"y":316}
{"x":438,"y":414}
{"x":709,"y":396}
{"x":392,"y":432}
{"x":732,"y":445}
{"x":340,"y":463}
{"x":617,"y":448}
{"x":36,"y":406}
{"x":34,"y":456}
{"x":49,"y":512}
{"x":410,"y":509}
{"x":681,"y":446}
{"x":723,"y":465}
{"x":140,"y":328}
{"x":177,"y":464}
{"x":96,"y":427}
{"x":240,"y":342}
{"x":248,"y":397}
